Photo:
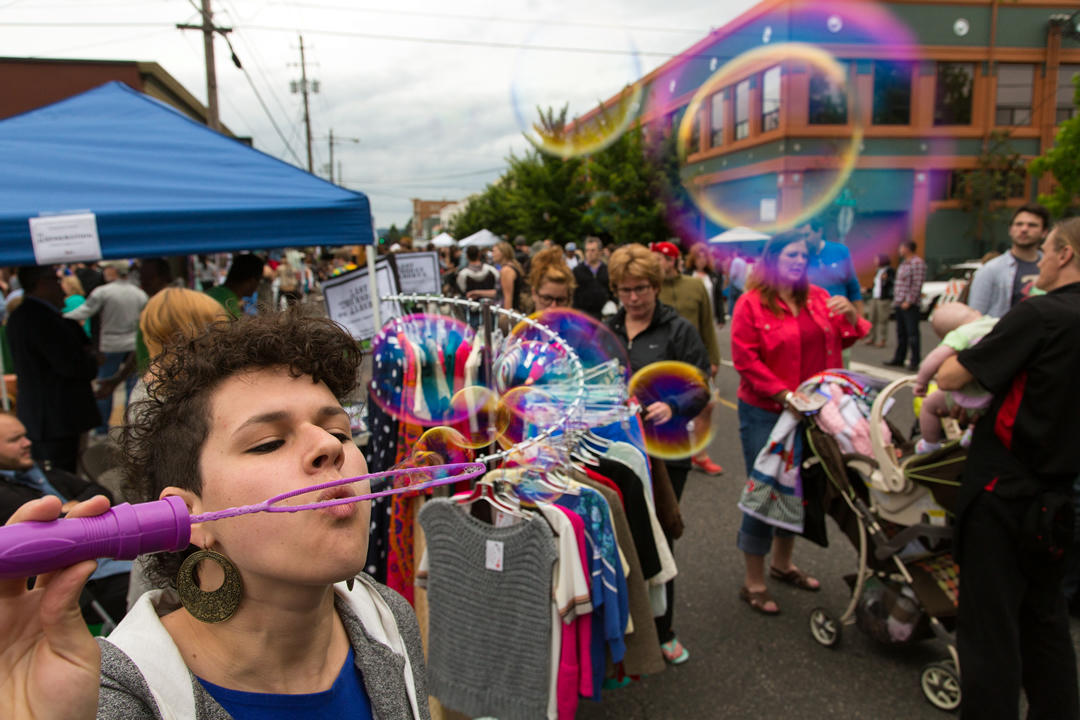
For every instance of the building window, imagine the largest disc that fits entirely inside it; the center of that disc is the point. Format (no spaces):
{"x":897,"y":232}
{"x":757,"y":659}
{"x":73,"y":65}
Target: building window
{"x":1015,"y":91}
{"x":695,"y":131}
{"x":952,"y":93}
{"x":770,"y":99}
{"x":828,"y":100}
{"x":892,"y":93}
{"x":1066,"y":93}
{"x":742,"y":110}
{"x":716,"y":120}
{"x":965,"y":184}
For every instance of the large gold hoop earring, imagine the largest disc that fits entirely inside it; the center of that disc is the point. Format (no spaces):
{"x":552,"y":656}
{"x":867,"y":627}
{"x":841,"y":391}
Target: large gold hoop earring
{"x":216,"y":605}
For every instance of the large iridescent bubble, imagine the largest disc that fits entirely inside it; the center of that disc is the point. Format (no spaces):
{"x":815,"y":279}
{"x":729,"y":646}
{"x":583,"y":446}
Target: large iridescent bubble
{"x":524,"y":412}
{"x":775,"y":128}
{"x":473,"y":409}
{"x":689,"y":430}
{"x":531,"y":362}
{"x":733,"y":197}
{"x":597,"y":59}
{"x":415,"y":358}
{"x":594,"y":343}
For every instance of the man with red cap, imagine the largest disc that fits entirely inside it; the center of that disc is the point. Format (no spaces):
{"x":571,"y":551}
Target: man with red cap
{"x":691,"y":300}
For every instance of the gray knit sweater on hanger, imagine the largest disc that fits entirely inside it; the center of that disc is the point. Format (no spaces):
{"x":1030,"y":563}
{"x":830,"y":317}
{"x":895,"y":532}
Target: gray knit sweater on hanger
{"x":489,"y":639}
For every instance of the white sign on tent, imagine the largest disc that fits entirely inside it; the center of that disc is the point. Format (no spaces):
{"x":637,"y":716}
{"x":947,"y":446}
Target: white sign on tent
{"x":348,"y":299}
{"x":65,"y":238}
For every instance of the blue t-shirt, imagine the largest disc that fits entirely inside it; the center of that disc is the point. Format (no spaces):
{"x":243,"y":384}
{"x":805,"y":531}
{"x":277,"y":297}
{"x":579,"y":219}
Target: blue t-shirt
{"x":346,"y":700}
{"x":833,"y":270}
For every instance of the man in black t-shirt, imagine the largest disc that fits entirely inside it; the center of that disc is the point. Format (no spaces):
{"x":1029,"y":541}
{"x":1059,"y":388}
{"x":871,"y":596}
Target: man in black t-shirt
{"x":1015,"y":508}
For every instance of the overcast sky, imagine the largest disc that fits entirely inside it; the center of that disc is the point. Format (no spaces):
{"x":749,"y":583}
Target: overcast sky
{"x":420,"y":94}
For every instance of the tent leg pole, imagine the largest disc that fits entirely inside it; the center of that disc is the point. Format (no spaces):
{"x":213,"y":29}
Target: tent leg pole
{"x":373,"y":286}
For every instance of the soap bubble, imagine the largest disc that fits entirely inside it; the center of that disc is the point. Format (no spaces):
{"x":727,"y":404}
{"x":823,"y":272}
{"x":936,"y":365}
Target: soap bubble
{"x":736,"y":197}
{"x":444,"y":443}
{"x":594,"y":343}
{"x":414,"y":378}
{"x":530,"y":362}
{"x":689,"y":430}
{"x":523,"y":412}
{"x":597,"y":60}
{"x":473,"y":410}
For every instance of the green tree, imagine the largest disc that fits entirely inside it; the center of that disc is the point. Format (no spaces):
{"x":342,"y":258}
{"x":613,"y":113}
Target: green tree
{"x":628,"y":191}
{"x":1061,"y":162}
{"x":393,"y":235}
{"x":626,"y":188}
{"x":999,"y":175}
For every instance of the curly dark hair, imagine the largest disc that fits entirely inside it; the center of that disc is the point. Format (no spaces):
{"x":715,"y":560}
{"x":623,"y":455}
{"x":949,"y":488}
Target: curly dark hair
{"x":164,"y":435}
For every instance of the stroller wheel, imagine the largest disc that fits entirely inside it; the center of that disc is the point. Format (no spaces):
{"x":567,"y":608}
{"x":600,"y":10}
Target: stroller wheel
{"x":941,"y":685}
{"x":824,"y":628}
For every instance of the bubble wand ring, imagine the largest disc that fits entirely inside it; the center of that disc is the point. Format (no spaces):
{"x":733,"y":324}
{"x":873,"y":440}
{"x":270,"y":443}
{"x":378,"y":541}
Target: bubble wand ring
{"x":458,"y":472}
{"x":126,"y":531}
{"x":576,"y":407}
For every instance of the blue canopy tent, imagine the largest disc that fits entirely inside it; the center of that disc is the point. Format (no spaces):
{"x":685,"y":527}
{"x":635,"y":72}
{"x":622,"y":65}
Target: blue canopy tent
{"x":159,"y":183}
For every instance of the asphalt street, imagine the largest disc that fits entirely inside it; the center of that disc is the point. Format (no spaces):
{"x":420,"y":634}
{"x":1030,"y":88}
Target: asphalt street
{"x":747,"y":665}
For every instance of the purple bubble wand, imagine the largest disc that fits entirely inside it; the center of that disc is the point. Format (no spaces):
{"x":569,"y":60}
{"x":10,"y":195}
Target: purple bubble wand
{"x":126,"y":531}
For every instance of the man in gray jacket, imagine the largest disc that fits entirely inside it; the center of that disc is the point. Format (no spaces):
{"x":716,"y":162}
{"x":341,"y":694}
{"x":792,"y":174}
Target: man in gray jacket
{"x":119,"y":302}
{"x":1008,"y":278}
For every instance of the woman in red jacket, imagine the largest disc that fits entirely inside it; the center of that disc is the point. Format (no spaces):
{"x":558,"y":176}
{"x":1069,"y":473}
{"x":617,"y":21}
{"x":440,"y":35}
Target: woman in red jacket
{"x":783,"y":331}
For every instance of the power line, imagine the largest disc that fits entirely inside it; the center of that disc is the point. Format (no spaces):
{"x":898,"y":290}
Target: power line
{"x":262,"y":103}
{"x":494,"y":19}
{"x":394,"y":38}
{"x":97,"y":43}
{"x":434,"y":177}
{"x":257,"y":59}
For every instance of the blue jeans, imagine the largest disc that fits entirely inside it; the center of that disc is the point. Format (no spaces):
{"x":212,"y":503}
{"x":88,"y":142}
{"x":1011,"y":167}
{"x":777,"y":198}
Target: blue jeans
{"x":113,"y":361}
{"x":733,"y":297}
{"x":755,"y":536}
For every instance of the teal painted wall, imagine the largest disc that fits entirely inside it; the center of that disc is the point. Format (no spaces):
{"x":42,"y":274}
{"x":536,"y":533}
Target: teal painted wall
{"x":933,"y":24}
{"x":1023,"y":27}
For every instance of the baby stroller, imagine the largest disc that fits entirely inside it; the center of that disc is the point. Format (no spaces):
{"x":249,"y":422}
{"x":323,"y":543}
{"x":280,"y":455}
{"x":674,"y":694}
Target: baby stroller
{"x":896,"y":509}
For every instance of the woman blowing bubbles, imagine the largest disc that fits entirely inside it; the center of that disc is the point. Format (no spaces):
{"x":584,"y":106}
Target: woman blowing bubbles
{"x":784,"y":330}
{"x":248,"y":410}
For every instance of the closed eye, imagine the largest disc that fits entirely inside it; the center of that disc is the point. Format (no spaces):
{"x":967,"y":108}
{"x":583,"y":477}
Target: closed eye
{"x":266,"y":447}
{"x":341,"y":437}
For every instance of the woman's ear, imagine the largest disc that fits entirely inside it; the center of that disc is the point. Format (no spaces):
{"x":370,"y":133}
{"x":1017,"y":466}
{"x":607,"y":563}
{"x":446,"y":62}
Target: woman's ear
{"x":199,"y":536}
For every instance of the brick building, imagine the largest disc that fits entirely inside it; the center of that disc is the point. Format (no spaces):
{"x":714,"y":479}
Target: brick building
{"x":773,"y":133}
{"x":31,"y":83}
{"x":426,"y":222}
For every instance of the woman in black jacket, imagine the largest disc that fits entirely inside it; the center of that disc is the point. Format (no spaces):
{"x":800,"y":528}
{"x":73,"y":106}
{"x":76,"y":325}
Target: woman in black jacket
{"x":653,"y":332}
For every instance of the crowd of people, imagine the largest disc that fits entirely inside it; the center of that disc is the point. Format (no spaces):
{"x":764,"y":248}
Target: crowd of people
{"x":230,"y":399}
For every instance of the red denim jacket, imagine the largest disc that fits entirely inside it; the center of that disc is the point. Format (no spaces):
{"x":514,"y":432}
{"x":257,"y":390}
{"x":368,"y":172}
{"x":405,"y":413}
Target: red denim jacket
{"x":767,"y":349}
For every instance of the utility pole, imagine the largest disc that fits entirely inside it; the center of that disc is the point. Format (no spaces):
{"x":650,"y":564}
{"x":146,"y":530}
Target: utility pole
{"x":302,"y":87}
{"x":213,"y":117}
{"x":331,"y":141}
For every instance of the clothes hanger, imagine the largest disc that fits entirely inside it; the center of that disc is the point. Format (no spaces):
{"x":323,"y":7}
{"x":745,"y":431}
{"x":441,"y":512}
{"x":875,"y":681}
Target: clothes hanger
{"x":485,"y":490}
